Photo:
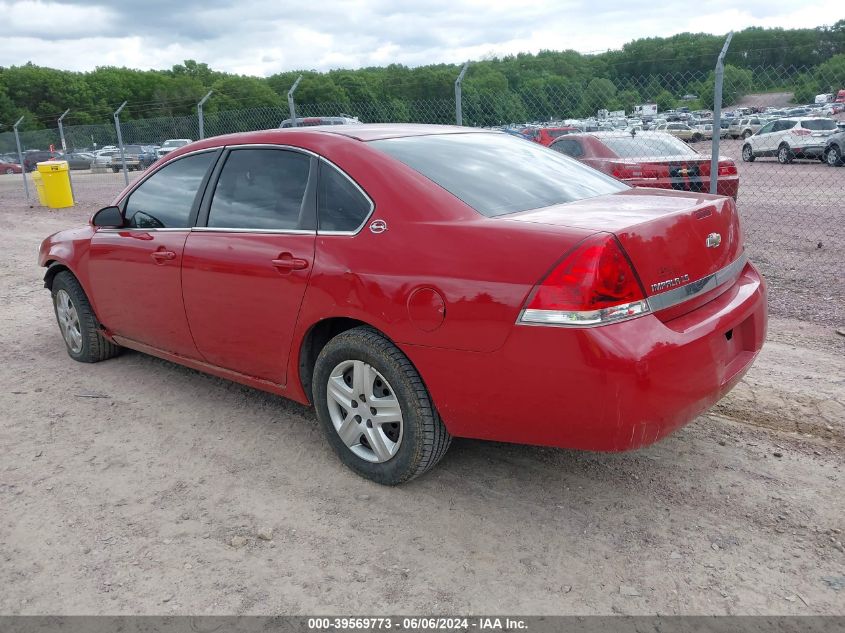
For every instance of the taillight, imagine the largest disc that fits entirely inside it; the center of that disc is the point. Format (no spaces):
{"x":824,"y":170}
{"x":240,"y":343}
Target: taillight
{"x":593,"y":285}
{"x":800,"y":131}
{"x":625,"y":171}
{"x":727,"y":168}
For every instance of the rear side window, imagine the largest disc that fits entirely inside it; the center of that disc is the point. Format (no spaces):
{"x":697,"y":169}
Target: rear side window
{"x":165,"y":199}
{"x":340,"y":204}
{"x":496,"y":174}
{"x":819,"y":124}
{"x":569,"y":146}
{"x":260,"y":189}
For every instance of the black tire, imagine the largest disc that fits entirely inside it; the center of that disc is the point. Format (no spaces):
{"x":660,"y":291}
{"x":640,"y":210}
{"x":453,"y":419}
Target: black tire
{"x":696,"y":138}
{"x":784,"y":154}
{"x":833,"y":156}
{"x":747,"y":153}
{"x":424,"y":438}
{"x":115,"y":169}
{"x":94,"y":346}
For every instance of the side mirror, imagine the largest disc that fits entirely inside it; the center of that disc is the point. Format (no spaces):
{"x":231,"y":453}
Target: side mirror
{"x":108,"y":217}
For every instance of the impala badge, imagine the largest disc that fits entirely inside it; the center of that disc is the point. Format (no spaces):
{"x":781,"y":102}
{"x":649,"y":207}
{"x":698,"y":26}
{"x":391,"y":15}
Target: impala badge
{"x":713,"y":240}
{"x":378,"y":226}
{"x":660,"y":286}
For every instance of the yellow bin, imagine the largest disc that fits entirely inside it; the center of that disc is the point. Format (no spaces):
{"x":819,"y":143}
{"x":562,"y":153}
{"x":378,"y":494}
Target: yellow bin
{"x":38,"y":181}
{"x":56,"y":176}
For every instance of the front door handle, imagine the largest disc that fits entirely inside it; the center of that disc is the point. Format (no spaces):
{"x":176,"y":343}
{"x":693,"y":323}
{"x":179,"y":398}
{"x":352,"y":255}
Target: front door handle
{"x":287,"y":262}
{"x":162,"y":256}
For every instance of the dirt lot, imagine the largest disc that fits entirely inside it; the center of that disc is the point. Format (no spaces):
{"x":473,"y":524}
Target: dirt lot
{"x":124,"y":483}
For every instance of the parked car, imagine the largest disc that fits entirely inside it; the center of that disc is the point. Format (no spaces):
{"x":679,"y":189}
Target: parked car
{"x":33,"y":157}
{"x":312,"y":121}
{"x":78,"y":160}
{"x":364,"y":272}
{"x":147,"y":156}
{"x":9,"y":168}
{"x":745,"y":127}
{"x":802,"y":137}
{"x":649,"y":159}
{"x":172,"y":144}
{"x":131,"y":155}
{"x":103,"y":158}
{"x":681,"y":131}
{"x":834,"y":149}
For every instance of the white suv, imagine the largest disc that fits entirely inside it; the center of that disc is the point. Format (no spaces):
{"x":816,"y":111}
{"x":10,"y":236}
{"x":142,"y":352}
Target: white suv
{"x":798,"y":137}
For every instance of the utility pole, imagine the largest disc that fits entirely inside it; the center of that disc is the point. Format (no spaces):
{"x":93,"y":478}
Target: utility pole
{"x":199,"y":114}
{"x":717,"y":114}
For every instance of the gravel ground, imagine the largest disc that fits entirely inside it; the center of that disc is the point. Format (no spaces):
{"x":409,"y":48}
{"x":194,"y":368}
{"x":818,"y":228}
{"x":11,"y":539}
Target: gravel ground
{"x":138,"y":486}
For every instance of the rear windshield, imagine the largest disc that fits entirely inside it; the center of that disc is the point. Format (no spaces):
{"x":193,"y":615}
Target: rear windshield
{"x":498,"y":174}
{"x":819,"y":124}
{"x":644,"y":146}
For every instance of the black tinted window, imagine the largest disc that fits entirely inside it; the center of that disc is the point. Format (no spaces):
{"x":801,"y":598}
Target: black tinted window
{"x":496,"y":173}
{"x":570,"y":147}
{"x":165,"y":199}
{"x":819,"y":124}
{"x":260,"y":189}
{"x":340,"y":205}
{"x":783,"y":125}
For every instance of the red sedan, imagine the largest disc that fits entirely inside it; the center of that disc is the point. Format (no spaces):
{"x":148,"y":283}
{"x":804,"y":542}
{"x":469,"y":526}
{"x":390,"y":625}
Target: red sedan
{"x":649,"y":159}
{"x":416,"y":283}
{"x":9,"y":168}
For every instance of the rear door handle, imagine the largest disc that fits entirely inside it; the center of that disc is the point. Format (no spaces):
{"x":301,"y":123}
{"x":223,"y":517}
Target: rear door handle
{"x":287,"y":262}
{"x":162,"y":256}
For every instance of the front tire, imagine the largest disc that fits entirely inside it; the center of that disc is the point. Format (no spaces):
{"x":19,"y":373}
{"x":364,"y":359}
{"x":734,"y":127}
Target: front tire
{"x":833,"y":157}
{"x":79,"y":327}
{"x":746,"y":134}
{"x":375,"y":410}
{"x":784,"y":155}
{"x":747,"y":153}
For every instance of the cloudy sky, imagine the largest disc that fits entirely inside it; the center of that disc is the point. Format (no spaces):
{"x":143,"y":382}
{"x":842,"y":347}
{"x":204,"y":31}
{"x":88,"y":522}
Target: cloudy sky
{"x":261,"y":37}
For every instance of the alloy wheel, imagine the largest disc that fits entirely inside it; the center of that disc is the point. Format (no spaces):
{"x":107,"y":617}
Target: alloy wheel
{"x":364,"y":411}
{"x":833,"y":157}
{"x":747,"y":153}
{"x":69,"y":321}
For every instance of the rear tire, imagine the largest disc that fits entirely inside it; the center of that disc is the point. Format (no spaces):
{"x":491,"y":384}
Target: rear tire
{"x":390,"y":387}
{"x":696,"y":138}
{"x":784,"y":155}
{"x":833,"y":157}
{"x":80,"y":328}
{"x":747,"y":153}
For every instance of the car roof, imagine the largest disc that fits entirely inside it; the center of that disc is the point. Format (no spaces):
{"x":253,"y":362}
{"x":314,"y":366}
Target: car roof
{"x":363,"y":132}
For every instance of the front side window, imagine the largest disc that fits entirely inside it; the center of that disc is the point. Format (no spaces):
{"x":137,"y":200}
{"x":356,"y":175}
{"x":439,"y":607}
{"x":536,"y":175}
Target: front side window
{"x":766,"y":128}
{"x":262,"y":189}
{"x":340,"y":204}
{"x":495,"y":173}
{"x":165,"y":199}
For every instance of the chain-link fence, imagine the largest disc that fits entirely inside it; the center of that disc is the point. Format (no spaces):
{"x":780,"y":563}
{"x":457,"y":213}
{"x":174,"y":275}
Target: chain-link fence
{"x":780,"y":144}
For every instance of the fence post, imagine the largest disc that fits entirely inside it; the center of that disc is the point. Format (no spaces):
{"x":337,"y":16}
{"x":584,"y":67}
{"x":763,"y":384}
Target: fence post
{"x":199,"y":114}
{"x":291,"y":105}
{"x":459,"y":117}
{"x":20,"y":158}
{"x":64,"y":148}
{"x":120,"y":141}
{"x":717,"y":115}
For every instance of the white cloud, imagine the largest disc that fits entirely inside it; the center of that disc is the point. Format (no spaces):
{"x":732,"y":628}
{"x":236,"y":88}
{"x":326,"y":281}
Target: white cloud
{"x":262,"y":38}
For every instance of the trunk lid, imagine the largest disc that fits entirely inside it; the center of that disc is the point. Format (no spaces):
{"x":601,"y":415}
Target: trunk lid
{"x":681,"y":172}
{"x":669,"y":236}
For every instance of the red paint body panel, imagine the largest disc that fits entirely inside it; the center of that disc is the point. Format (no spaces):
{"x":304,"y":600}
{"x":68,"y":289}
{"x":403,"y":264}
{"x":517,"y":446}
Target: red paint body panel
{"x":608,"y":388}
{"x":242,"y":310}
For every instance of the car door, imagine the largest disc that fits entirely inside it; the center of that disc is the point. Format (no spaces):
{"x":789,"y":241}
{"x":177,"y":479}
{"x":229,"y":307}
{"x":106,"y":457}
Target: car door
{"x":246,"y":267}
{"x":135,"y":271}
{"x":761,"y":140}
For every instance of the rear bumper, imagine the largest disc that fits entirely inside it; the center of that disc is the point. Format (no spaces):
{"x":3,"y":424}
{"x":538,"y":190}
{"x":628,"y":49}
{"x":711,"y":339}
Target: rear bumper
{"x":610,"y":388}
{"x":725,"y":186}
